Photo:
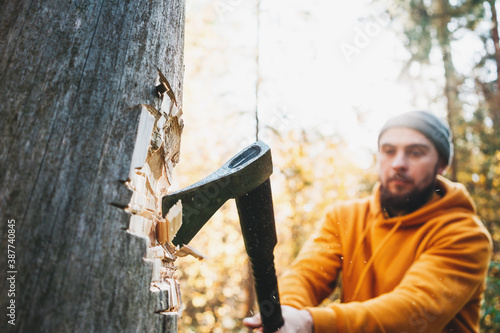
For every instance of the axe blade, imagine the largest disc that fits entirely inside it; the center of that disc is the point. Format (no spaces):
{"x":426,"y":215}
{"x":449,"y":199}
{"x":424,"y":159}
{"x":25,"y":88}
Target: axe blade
{"x":242,"y":173}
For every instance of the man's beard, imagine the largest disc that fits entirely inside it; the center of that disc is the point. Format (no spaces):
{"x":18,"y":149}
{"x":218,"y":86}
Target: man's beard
{"x":405,"y":204}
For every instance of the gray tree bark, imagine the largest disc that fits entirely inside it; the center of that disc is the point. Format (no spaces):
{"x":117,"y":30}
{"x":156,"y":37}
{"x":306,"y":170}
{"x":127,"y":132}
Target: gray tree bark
{"x":71,"y":76}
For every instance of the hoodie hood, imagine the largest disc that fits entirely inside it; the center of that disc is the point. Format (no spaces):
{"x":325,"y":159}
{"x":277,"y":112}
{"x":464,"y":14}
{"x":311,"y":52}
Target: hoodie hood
{"x":454,"y":196}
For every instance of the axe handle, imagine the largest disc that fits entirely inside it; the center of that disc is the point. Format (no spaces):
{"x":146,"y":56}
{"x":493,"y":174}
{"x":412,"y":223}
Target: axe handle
{"x":255,"y":210}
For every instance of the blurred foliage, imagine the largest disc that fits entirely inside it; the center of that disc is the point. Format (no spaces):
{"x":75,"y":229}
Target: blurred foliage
{"x":313,"y":172}
{"x":490,"y":319}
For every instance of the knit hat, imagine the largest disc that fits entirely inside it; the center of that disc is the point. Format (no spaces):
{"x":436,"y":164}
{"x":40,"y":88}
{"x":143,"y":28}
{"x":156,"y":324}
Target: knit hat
{"x":429,"y":125}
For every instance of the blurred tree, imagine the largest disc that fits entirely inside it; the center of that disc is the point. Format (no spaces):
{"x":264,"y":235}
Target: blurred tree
{"x":431,"y":27}
{"x":482,"y":170}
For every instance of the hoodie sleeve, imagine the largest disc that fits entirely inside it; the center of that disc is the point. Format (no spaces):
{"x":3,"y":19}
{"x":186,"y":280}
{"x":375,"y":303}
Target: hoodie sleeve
{"x":440,"y":284}
{"x":314,"y":272}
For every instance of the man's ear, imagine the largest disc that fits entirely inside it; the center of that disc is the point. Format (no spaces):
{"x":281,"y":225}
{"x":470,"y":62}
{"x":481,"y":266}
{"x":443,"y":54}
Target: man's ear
{"x":442,"y":166}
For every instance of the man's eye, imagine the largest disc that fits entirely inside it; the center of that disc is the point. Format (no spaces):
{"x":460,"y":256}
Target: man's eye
{"x":389,"y":152}
{"x":416,"y":153}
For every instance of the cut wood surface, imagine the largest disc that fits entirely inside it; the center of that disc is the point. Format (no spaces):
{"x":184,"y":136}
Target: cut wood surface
{"x":72,"y":74}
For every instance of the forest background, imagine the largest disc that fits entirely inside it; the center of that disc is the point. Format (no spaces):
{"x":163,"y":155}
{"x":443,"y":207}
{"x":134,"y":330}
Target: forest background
{"x":316,"y":80}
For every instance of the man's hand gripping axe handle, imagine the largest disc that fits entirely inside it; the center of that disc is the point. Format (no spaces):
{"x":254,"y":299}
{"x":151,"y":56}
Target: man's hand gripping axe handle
{"x":245,"y":178}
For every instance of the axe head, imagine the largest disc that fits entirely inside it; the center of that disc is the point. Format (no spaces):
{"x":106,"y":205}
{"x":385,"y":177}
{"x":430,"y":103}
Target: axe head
{"x":241,"y":174}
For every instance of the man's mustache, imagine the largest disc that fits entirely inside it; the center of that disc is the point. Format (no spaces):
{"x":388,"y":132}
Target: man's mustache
{"x":401,"y":177}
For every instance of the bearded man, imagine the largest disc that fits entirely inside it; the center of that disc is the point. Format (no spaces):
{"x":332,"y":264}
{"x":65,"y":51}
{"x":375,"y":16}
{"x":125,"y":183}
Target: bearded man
{"x":413,"y":255}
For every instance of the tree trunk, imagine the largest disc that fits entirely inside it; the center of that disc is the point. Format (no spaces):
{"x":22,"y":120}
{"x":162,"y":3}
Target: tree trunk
{"x":495,"y":109}
{"x":450,"y":89}
{"x":73,"y":75}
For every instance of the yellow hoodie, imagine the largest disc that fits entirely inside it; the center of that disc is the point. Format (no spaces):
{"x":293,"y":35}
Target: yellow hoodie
{"x":422,"y":272}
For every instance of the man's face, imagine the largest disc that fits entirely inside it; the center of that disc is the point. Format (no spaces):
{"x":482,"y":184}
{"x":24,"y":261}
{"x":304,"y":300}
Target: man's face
{"x":408,"y":163}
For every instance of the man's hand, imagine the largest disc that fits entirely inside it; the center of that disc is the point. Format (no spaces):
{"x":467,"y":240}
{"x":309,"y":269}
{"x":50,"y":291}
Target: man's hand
{"x":295,"y":321}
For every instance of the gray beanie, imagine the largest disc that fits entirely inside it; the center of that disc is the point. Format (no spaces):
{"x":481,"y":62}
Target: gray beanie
{"x":429,"y":125}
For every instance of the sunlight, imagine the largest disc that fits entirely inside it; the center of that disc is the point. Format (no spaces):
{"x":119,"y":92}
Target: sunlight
{"x":327,"y":67}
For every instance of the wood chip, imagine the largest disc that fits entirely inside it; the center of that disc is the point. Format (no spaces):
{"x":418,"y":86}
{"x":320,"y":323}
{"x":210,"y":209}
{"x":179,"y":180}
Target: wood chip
{"x":188,"y":250}
{"x":174,"y":219}
{"x":156,"y":262}
{"x":162,"y":231}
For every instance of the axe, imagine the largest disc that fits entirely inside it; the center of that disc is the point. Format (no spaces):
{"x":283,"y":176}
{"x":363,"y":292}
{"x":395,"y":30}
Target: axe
{"x":245,"y":177}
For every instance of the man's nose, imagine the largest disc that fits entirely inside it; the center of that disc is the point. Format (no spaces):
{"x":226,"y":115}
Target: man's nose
{"x":400,"y":161}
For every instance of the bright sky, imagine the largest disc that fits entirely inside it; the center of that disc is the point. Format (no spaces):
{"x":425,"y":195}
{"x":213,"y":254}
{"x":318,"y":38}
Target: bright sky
{"x":324,"y":65}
